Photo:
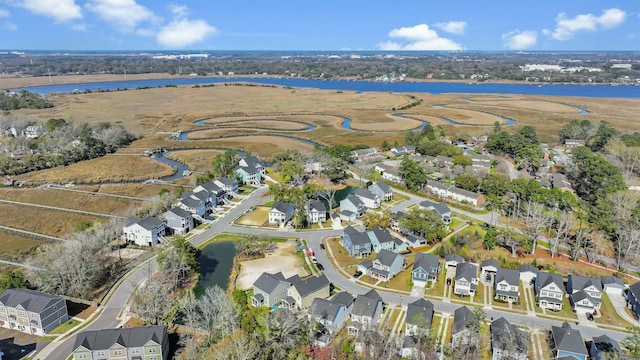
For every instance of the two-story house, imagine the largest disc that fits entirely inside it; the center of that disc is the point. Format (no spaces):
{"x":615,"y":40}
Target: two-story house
{"x":567,"y":342}
{"x":147,"y":231}
{"x":357,"y":244}
{"x":230,"y":186}
{"x":381,"y":239}
{"x":216,"y":194}
{"x":366,"y":312}
{"x":465,"y":330}
{"x":270,"y":289}
{"x":250,"y":171}
{"x":195,"y":203}
{"x":178,"y":220}
{"x":585,"y":293}
{"x":281,"y":213}
{"x":32,"y":312}
{"x":506,"y":285}
{"x":369,"y":199}
{"x":440,"y":209}
{"x":316,"y":212}
{"x":331,"y":315}
{"x":508,"y":342}
{"x":382,"y":190}
{"x":304,"y":291}
{"x":549,"y":289}
{"x":351,"y":207}
{"x":466,"y":279}
{"x":633,"y":298}
{"x":419,"y":317}
{"x":386,"y":265}
{"x":604,"y":348}
{"x":426,"y":267}
{"x":144,"y":342}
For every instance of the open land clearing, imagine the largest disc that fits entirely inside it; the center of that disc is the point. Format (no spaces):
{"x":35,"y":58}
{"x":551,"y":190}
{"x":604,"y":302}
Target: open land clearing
{"x":43,"y":221}
{"x":14,"y":247}
{"x":284,"y":259}
{"x":197,"y":160}
{"x":143,"y":191}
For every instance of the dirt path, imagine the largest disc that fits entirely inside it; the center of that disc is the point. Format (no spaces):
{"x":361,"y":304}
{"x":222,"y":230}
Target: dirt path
{"x":284,"y":259}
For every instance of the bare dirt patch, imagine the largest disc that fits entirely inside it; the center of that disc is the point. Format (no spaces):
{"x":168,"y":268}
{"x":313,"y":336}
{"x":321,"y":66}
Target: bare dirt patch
{"x":284,"y":259}
{"x":257,"y":217}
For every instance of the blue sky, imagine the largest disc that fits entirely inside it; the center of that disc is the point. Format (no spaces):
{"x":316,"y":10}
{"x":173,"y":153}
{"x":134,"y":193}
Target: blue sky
{"x":544,"y":25}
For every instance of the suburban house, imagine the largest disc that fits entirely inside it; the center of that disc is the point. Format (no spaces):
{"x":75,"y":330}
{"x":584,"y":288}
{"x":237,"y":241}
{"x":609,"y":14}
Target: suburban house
{"x":230,"y":186}
{"x":585,"y":292}
{"x":250,"y":171}
{"x":143,"y":342}
{"x":403,"y":150}
{"x":528,"y":274}
{"x":395,"y":223}
{"x":369,"y":199}
{"x":216,"y":193}
{"x":567,"y":342}
{"x":440,"y":209}
{"x":464,"y":330}
{"x":33,"y":131}
{"x":603,"y":348}
{"x":466,"y":279}
{"x":210,"y":199}
{"x":612,"y":285}
{"x":178,"y":220}
{"x":506,"y":285}
{"x":357,"y":244}
{"x":425,"y":268}
{"x":400,"y":246}
{"x":381,"y":239}
{"x":489,"y":267}
{"x":367,"y":311}
{"x":144,"y":232}
{"x":447,"y":191}
{"x":281,"y":213}
{"x":389,"y":173}
{"x":419,"y":317}
{"x":316,"y":212}
{"x":195,"y":203}
{"x":353,"y":204}
{"x":331,"y":315}
{"x":32,"y":312}
{"x":453,"y":260}
{"x":269,"y":289}
{"x":415,"y":241}
{"x":549,"y":290}
{"x":345,"y":299}
{"x":365,"y":266}
{"x":508,"y":342}
{"x":304,"y":291}
{"x":386,"y":265}
{"x":365,"y":154}
{"x":382,"y":190}
{"x":633,"y":298}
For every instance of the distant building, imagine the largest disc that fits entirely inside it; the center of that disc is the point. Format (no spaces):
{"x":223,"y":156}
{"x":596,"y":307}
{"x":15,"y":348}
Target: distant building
{"x":31,"y":312}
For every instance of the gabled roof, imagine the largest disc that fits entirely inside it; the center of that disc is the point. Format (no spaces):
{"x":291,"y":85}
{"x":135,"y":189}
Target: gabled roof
{"x":354,"y":200}
{"x":462,"y":318}
{"x":545,"y":278}
{"x":380,"y":185}
{"x":283,"y":207}
{"x":211,"y":187}
{"x":179,"y":212}
{"x":386,"y":257}
{"x":426,"y":261}
{"x":505,"y":335}
{"x":310,"y":285}
{"x":582,"y":295}
{"x":343,"y":298}
{"x":420,"y":306}
{"x":606,"y":344}
{"x":527,"y":268}
{"x":611,"y":280}
{"x":438,"y":184}
{"x":465,"y":193}
{"x":127,"y":337}
{"x":149,"y":222}
{"x":358,"y":238}
{"x":439,"y":208}
{"x":226,"y":181}
{"x":454,"y":257}
{"x":317,"y":205}
{"x":466,"y":271}
{"x":191,"y":202}
{"x":30,"y":300}
{"x":365,"y":305}
{"x":489,"y":262}
{"x":367,"y":264}
{"x":324,"y":309}
{"x":267,"y":282}
{"x":568,"y":339}
{"x":351,"y":230}
{"x":365,"y":194}
{"x":583,"y":282}
{"x":512,"y":277}
{"x":382,"y":235}
{"x":635,"y":289}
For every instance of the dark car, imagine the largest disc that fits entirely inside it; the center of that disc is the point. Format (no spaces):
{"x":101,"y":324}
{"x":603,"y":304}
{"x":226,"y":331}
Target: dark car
{"x":322,"y":246}
{"x":320,"y":267}
{"x":590,"y":316}
{"x":357,"y":274}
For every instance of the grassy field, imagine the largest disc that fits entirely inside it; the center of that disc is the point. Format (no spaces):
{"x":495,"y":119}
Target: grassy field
{"x":257,"y":217}
{"x":197,"y":160}
{"x":608,"y":315}
{"x":42,"y":221}
{"x":14,"y":247}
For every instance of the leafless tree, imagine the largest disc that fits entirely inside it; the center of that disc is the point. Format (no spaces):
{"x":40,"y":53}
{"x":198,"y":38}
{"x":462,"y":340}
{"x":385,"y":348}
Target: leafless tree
{"x":218,"y":316}
{"x":236,"y":346}
{"x":565,"y":222}
{"x":151,"y":301}
{"x":624,"y":157}
{"x":579,"y":241}
{"x":536,"y":217}
{"x":627,"y":224}
{"x":328,"y":194}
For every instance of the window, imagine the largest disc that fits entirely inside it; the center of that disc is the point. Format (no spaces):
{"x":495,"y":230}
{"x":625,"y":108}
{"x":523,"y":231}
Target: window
{"x":99,"y":353}
{"x":82,"y":356}
{"x":135,"y":351}
{"x":117,"y":353}
{"x":152,"y":350}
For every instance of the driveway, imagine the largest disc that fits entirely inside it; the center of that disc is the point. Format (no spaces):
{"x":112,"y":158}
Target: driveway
{"x":620,"y":304}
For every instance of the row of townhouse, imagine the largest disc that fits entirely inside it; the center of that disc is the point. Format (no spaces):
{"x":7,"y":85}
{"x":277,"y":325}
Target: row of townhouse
{"x":191,"y":209}
{"x":292,"y":293}
{"x":356,"y":204}
{"x":361,"y":244}
{"x":444,"y":190}
{"x":32,"y":312}
{"x":143,"y":342}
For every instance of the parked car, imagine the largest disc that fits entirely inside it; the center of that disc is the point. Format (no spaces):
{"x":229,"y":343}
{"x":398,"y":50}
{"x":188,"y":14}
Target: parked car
{"x":314,"y":260}
{"x":320,"y":267}
{"x":357,"y":274}
{"x":590,"y":316}
{"x":322,"y":246}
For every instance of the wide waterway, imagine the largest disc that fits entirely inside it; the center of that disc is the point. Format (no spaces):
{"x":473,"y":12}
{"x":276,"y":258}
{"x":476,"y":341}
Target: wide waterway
{"x":586,"y":90}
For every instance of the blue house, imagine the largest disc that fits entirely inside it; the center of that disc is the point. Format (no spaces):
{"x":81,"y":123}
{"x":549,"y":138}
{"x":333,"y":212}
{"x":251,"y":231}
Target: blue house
{"x":353,"y":204}
{"x":357,"y":244}
{"x":425,"y":268}
{"x":567,"y":342}
{"x":381,"y":240}
{"x":386,"y":265}
{"x":250,"y":171}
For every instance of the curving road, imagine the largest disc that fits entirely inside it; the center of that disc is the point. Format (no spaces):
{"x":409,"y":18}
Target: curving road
{"x":116,"y":302}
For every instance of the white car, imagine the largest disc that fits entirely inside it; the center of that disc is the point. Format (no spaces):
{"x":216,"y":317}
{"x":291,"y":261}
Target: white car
{"x":314,"y":260}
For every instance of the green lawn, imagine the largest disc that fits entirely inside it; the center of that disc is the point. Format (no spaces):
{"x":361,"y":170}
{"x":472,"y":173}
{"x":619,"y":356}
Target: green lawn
{"x":455,"y":223}
{"x":392,"y":319}
{"x":438,"y":288}
{"x":402,"y":281}
{"x":66,"y":326}
{"x":341,"y":255}
{"x":608,"y":315}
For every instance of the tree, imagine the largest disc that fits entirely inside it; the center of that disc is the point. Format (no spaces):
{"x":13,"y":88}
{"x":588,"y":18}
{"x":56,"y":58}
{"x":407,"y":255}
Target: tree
{"x":490,"y":238}
{"x":593,"y":177}
{"x":377,"y":219}
{"x":626,"y":207}
{"x":632,"y":342}
{"x":178,"y":259}
{"x":237,"y":346}
{"x":150,"y":301}
{"x":328,"y":194}
{"x":601,"y":138}
{"x":335,"y":169}
{"x":467,"y":182}
{"x":425,"y":223}
{"x":54,"y":123}
{"x":223,"y":165}
{"x":496,"y":185}
{"x":536,"y":218}
{"x":385,"y":145}
{"x":565,"y":221}
{"x":415,"y":176}
{"x":462,"y":160}
{"x":11,"y":280}
{"x":625,"y":157}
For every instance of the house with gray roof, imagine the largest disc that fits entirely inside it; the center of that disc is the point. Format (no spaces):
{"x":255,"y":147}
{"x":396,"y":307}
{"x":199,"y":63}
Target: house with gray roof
{"x":386,"y":265}
{"x":367,"y":311}
{"x":426,"y":267}
{"x":250,"y":171}
{"x":585,"y":292}
{"x":230,"y":186}
{"x":281,"y":213}
{"x":328,"y":313}
{"x":316,"y":212}
{"x":506,"y":285}
{"x":369,"y":199}
{"x":528,"y":273}
{"x":144,"y":342}
{"x":604,"y":348}
{"x":395,"y":223}
{"x":612,"y":285}
{"x":382,"y":190}
{"x":354,"y":205}
{"x":453,"y":260}
{"x":508,"y":342}
{"x":549,"y":290}
{"x":381,"y":239}
{"x":368,"y":154}
{"x":147,"y":231}
{"x":216,"y":193}
{"x":466,"y":279}
{"x":269,"y":289}
{"x":419,"y":317}
{"x":633,"y":298}
{"x":178,"y":221}
{"x":304,"y":291}
{"x":357,"y":244}
{"x":488,"y":267}
{"x":195,"y":203}
{"x":440,"y":209}
{"x":31,"y":312}
{"x":415,"y":241}
{"x":464,"y":331}
{"x":567,"y":342}
{"x":345,"y":299}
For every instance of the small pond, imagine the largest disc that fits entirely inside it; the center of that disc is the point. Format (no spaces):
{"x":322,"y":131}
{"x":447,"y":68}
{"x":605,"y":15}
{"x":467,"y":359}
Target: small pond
{"x":216,"y":262}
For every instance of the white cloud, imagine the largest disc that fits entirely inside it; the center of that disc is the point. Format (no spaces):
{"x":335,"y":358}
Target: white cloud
{"x":567,"y":27}
{"x":453,"y":27}
{"x":184,"y":32}
{"x":419,"y":37}
{"x":124,"y":15}
{"x":179,"y":10}
{"x":8,"y":25}
{"x":58,"y":10}
{"x":4,"y":13}
{"x":519,"y":40}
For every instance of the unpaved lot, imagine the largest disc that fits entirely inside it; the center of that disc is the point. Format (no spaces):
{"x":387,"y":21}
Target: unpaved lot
{"x":284,"y":259}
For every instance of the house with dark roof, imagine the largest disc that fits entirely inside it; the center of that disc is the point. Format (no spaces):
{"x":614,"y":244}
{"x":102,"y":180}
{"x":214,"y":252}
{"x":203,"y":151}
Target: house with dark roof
{"x":328,"y":313}
{"x":250,"y":171}
{"x":389,"y":173}
{"x":549,"y":290}
{"x":354,"y":205}
{"x":281,"y":213}
{"x":466,"y":279}
{"x":489,"y":267}
{"x":567,"y":342}
{"x":147,"y":231}
{"x":585,"y":292}
{"x":426,"y":267}
{"x":439,"y":209}
{"x":448,"y":191}
{"x":528,"y":274}
{"x":386,"y":265}
{"x":508,"y":342}
{"x":633,"y":298}
{"x":144,"y":342}
{"x":32,"y":312}
{"x":357,"y":244}
{"x":195,"y":203}
{"x":382,"y":190}
{"x":230,"y":186}
{"x":316,"y":212}
{"x":419,"y":317}
{"x":368,"y":154}
{"x":403,"y":150}
{"x":506,"y":285}
{"x":304,"y":291}
{"x":612,"y":285}
{"x":381,"y":239}
{"x":395,"y":223}
{"x":269,"y":289}
{"x":369,"y":199}
{"x":453,"y":260}
{"x":367,"y":311}
{"x":464,"y":331}
{"x":178,"y":221}
{"x":345,"y":299}
{"x":604,"y":348}
{"x":415,"y":241}
{"x":216,"y":193}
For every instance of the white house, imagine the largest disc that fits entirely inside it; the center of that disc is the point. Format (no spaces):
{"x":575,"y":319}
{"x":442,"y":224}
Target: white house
{"x":369,"y":199}
{"x":466,"y":279}
{"x":147,"y":231}
{"x":280,"y":213}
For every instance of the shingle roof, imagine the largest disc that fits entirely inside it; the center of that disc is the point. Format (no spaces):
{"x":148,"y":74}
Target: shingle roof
{"x":211,"y":187}
{"x":310,"y":285}
{"x":354,"y":200}
{"x":527,"y":268}
{"x":127,"y":337}
{"x":462,"y":318}
{"x":382,"y":186}
{"x":283,"y":207}
{"x":581,"y":295}
{"x":606,"y":344}
{"x":635,"y":289}
{"x":439,"y":208}
{"x":358,"y":238}
{"x":568,"y":339}
{"x":420,"y":306}
{"x":227,"y":181}
{"x":512,"y":277}
{"x":267,"y":282}
{"x":382,"y":235}
{"x":191,"y":202}
{"x":365,"y":305}
{"x":324,"y":309}
{"x":365,"y":194}
{"x":466,"y":271}
{"x":30,"y":300}
{"x":367,"y":264}
{"x":546,"y":278}
{"x":317,"y":205}
{"x":465,"y":193}
{"x":386,"y":257}
{"x":150,"y":222}
{"x":610,"y":280}
{"x":426,"y":261}
{"x":179,"y":212}
{"x":505,"y":335}
{"x":489,"y":262}
{"x":343,"y":298}
{"x":583,"y":282}
{"x":438,"y":184}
